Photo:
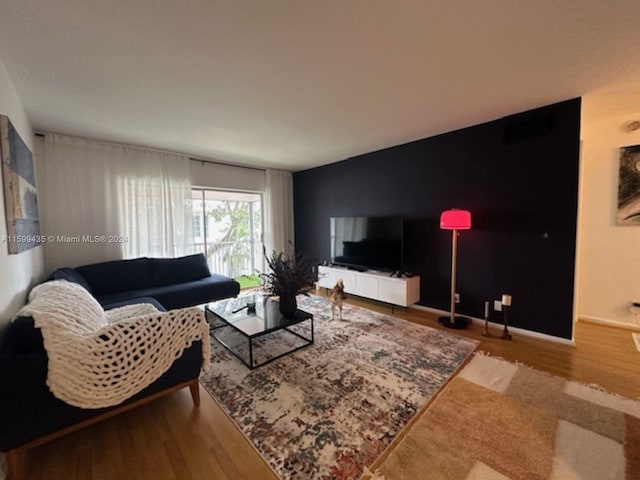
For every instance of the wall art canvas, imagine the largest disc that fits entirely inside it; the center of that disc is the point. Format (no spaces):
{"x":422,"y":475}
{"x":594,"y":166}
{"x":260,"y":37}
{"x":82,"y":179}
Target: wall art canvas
{"x":20,"y":196}
{"x":629,"y":186}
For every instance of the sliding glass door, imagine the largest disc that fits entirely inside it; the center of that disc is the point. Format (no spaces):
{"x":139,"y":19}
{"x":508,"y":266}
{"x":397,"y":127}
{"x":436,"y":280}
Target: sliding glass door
{"x":227,"y":228}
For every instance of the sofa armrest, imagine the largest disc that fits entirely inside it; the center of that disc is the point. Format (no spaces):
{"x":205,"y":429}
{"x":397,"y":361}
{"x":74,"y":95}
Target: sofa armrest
{"x":22,"y":375}
{"x":23,"y":383}
{"x":29,"y":411}
{"x":21,"y":336}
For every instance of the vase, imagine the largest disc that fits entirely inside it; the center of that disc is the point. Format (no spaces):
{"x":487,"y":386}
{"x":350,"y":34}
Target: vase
{"x":288,"y":305}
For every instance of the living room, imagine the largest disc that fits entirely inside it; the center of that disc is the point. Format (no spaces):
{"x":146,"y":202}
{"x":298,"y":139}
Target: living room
{"x":532,"y":150}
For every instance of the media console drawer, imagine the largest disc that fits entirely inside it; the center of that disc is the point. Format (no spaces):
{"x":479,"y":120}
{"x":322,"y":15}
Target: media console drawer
{"x":371,"y":284}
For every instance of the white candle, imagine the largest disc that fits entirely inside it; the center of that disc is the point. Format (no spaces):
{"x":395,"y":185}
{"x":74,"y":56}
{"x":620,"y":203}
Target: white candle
{"x":486,"y":309}
{"x":506,"y":300}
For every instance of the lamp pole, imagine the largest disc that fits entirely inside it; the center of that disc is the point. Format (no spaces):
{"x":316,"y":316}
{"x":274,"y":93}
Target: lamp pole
{"x":454,"y":256}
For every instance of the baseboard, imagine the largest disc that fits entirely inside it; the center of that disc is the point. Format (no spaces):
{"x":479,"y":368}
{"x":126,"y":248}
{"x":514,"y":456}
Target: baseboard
{"x":517,"y":330}
{"x":608,"y":322}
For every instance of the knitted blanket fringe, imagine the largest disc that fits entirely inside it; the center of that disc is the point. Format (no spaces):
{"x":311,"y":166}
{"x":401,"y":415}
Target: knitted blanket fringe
{"x":99,"y":359}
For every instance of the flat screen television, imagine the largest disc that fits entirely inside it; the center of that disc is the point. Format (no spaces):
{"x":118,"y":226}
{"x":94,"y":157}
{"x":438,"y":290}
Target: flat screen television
{"x":367,"y":242}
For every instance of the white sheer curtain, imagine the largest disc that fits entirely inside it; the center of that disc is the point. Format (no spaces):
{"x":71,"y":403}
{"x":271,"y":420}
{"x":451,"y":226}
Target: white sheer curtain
{"x":278,"y":210}
{"x":102,"y":201}
{"x":154,"y":198}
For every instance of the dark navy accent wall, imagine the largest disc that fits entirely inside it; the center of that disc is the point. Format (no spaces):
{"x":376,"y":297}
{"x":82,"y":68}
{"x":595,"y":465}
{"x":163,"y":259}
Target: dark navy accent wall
{"x":519,"y":178}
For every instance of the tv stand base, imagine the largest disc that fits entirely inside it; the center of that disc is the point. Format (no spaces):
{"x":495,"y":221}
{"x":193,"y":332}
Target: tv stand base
{"x":371,"y":284}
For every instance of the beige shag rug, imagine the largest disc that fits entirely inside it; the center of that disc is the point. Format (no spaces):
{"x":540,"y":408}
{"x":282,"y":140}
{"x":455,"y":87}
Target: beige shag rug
{"x":501,"y":421}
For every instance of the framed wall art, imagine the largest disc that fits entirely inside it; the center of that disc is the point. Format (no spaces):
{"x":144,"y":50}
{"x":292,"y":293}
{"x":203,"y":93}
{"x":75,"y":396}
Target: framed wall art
{"x":629,"y":186}
{"x":20,"y":195}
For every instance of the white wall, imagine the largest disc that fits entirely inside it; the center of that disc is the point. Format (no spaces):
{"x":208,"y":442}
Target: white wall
{"x":21,"y":271}
{"x":227,"y":177}
{"x":608,"y":255}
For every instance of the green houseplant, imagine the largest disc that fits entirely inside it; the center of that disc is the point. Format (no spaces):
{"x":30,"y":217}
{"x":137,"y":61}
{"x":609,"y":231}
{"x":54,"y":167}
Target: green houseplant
{"x":289,"y":276}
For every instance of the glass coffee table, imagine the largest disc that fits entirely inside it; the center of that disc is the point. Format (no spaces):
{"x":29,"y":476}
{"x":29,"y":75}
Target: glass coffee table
{"x":253,"y":329}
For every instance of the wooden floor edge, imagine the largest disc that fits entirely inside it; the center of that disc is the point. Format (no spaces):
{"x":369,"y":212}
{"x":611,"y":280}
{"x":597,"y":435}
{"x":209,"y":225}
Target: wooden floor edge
{"x":237,"y":427}
{"x":610,"y":323}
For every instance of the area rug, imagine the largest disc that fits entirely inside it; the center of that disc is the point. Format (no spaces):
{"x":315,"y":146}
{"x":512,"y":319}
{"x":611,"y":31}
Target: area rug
{"x":329,"y":410}
{"x":496,"y":421}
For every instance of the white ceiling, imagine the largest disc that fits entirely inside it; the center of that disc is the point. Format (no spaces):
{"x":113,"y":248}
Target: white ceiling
{"x":294,"y":84}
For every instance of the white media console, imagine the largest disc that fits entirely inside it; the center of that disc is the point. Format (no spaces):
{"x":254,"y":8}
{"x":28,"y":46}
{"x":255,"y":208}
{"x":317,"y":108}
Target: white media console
{"x":372,"y":284}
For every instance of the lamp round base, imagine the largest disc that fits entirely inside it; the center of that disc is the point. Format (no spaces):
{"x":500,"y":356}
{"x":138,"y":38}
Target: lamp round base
{"x":458,"y":323}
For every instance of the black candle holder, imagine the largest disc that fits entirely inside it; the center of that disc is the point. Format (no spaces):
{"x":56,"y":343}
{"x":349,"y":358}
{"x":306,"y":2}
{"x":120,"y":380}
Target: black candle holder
{"x":505,"y":318}
{"x":486,"y":332}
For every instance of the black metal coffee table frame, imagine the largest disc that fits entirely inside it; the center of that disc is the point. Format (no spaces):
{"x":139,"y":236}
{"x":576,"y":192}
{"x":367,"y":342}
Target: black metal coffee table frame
{"x":281,"y":324}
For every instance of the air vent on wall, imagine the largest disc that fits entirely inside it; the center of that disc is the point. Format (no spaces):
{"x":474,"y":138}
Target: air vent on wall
{"x":529,"y":127}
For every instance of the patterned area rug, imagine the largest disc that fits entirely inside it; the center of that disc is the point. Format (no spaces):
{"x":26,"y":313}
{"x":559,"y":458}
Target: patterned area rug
{"x":330,"y":409}
{"x":500,"y":421}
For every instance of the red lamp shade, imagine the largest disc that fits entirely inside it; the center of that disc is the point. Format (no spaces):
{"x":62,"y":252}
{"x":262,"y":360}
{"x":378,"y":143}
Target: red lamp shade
{"x":455,"y":220}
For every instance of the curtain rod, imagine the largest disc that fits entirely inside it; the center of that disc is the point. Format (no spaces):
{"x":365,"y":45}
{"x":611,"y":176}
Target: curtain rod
{"x":213,"y":162}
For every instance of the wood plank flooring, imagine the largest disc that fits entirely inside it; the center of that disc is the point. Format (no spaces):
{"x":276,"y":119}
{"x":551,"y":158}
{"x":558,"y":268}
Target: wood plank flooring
{"x":169,"y":439}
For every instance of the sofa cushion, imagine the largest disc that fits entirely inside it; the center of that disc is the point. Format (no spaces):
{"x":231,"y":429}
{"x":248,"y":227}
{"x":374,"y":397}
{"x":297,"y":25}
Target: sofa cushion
{"x":170,"y":271}
{"x":70,"y":275}
{"x":117,"y":276}
{"x":181,"y":295}
{"x":134,"y":301}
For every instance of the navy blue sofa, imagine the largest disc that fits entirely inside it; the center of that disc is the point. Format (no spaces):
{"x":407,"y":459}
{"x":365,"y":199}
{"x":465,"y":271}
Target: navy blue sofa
{"x":29,"y":413}
{"x":174,"y":282}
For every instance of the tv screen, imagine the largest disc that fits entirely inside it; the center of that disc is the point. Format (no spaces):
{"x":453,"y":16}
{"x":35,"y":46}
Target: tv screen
{"x":367,"y":242}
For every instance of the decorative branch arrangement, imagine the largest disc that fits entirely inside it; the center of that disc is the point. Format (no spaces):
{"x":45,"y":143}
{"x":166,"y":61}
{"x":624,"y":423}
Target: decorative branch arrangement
{"x":288,"y":275}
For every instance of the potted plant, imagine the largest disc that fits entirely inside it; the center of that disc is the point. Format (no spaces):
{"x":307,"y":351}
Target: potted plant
{"x":289,"y":276}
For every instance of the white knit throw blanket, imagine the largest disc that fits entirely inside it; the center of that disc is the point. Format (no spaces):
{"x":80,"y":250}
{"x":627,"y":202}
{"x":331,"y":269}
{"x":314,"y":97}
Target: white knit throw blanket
{"x":99,"y":359}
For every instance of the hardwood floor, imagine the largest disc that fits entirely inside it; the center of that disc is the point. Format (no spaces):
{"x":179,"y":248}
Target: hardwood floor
{"x":170,"y":439}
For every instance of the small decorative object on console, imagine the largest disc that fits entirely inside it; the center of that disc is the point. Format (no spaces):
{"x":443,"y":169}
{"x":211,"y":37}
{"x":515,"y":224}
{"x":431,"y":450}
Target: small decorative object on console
{"x":251,"y":306}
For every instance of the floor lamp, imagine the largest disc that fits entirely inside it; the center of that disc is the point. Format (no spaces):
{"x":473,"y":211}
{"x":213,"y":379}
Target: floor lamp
{"x":454,"y":220}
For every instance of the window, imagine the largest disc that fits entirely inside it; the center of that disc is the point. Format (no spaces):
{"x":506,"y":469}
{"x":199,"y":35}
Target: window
{"x":227,"y":228}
